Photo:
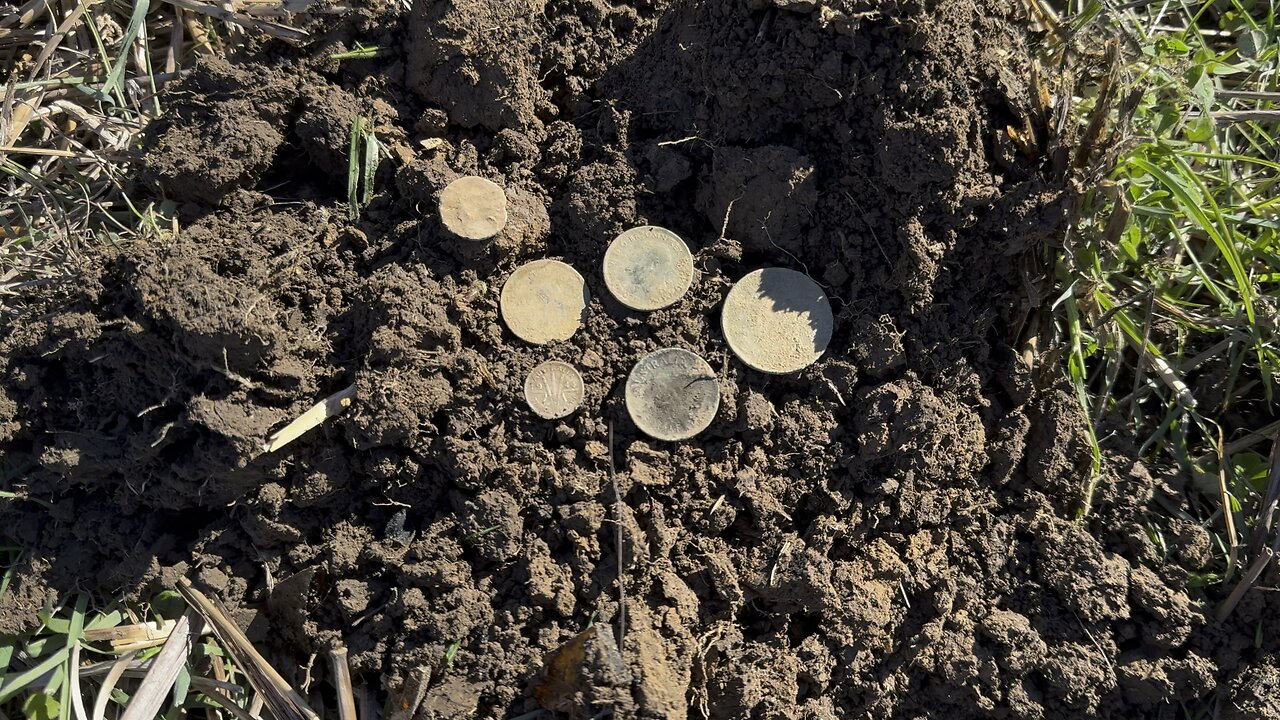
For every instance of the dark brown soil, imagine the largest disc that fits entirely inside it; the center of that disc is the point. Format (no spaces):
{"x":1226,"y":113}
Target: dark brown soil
{"x":889,"y":533}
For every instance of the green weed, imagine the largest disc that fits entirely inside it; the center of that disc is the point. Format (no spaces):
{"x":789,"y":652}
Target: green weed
{"x":1169,"y":305}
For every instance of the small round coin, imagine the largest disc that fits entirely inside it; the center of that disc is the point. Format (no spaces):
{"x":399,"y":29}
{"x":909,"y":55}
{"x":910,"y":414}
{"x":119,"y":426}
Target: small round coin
{"x":648,"y":268}
{"x":473,"y":208}
{"x":544,"y":301}
{"x":672,"y":394}
{"x":777,"y":320}
{"x":553,"y":390}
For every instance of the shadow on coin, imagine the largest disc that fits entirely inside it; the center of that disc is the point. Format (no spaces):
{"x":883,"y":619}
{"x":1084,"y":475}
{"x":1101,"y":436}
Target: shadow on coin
{"x":799,"y":298}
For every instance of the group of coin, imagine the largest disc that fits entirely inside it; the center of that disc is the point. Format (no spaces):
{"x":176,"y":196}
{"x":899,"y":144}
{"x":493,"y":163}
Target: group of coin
{"x":775,"y":320}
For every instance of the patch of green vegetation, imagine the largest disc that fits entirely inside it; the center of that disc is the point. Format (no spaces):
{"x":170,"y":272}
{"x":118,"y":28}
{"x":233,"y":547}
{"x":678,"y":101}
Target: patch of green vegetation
{"x":360,"y":52}
{"x":1169,"y":286}
{"x":79,"y":658}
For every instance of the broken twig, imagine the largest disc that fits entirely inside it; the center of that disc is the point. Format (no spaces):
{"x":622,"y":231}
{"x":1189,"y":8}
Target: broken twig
{"x":318,"y":413}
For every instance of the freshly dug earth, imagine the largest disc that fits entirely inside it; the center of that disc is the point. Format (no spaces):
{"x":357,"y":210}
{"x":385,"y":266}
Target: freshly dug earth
{"x":889,"y":533}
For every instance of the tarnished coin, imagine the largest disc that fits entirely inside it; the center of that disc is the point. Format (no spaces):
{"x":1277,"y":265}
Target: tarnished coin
{"x":544,"y":301}
{"x":672,"y":394}
{"x":553,"y":389}
{"x":777,"y":320}
{"x":648,"y":267}
{"x":473,"y":208}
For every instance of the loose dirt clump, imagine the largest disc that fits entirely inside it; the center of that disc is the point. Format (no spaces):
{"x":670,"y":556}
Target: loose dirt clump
{"x":892,"y":532}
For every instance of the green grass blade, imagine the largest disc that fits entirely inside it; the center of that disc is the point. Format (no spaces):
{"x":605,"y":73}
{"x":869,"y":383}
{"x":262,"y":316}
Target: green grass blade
{"x":353,"y":169}
{"x":6,"y":657}
{"x":115,"y":79}
{"x":1189,"y":204}
{"x":20,"y":682}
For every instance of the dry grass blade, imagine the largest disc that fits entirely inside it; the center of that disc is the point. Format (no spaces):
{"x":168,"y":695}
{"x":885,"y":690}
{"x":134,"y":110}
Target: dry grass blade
{"x":149,"y":698}
{"x":280,"y":698}
{"x":138,"y":636}
{"x":275,"y":30}
{"x":1246,"y":584}
{"x":342,"y":683}
{"x":109,"y":684}
{"x":1228,"y":515}
{"x":77,"y":698}
{"x":1270,"y":503}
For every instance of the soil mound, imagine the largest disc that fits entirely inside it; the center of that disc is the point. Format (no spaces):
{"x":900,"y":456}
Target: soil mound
{"x":888,"y":533}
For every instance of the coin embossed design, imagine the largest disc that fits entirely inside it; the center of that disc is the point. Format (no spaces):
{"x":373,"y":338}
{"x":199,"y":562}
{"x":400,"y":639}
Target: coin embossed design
{"x":672,"y":394}
{"x":544,"y":301}
{"x":648,"y":268}
{"x":777,"y":320}
{"x":553,"y":389}
{"x":474,"y":208}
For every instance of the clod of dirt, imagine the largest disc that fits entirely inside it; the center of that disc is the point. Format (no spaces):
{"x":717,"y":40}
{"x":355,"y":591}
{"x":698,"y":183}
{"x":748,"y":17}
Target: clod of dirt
{"x":476,"y":59}
{"x":1255,"y":695}
{"x":763,"y":196}
{"x":203,"y":153}
{"x":586,"y":671}
{"x":323,"y":127}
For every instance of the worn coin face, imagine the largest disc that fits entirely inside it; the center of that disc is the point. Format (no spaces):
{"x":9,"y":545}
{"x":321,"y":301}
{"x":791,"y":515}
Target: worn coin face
{"x":553,"y":389}
{"x":672,"y":394}
{"x":648,"y":267}
{"x":473,"y":208}
{"x":544,"y":301}
{"x":777,"y":320}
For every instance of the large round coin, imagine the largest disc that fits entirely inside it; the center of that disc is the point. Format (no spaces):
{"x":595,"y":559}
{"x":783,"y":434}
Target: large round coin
{"x":648,"y":267}
{"x":544,"y":301}
{"x":473,"y":208}
{"x":553,"y":389}
{"x":672,"y":394}
{"x":777,"y":320}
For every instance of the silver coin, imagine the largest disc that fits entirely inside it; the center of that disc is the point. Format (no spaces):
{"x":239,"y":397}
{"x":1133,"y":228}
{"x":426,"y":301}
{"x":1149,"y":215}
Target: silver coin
{"x":544,"y":301}
{"x":672,"y":394}
{"x":473,"y":208}
{"x":648,"y":267}
{"x":553,"y":389}
{"x":777,"y":320}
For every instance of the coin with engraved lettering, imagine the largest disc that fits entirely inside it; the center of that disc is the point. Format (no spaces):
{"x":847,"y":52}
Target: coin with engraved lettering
{"x":544,"y":301}
{"x":473,"y":208}
{"x":648,"y":268}
{"x":672,"y":394}
{"x":553,"y":389}
{"x":777,"y":320}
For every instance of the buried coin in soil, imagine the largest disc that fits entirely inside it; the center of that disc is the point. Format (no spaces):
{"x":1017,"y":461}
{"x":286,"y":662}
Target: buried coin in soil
{"x":553,"y":389}
{"x":777,"y":320}
{"x":672,"y":394}
{"x":473,"y":208}
{"x":544,"y":301}
{"x":648,"y":268}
